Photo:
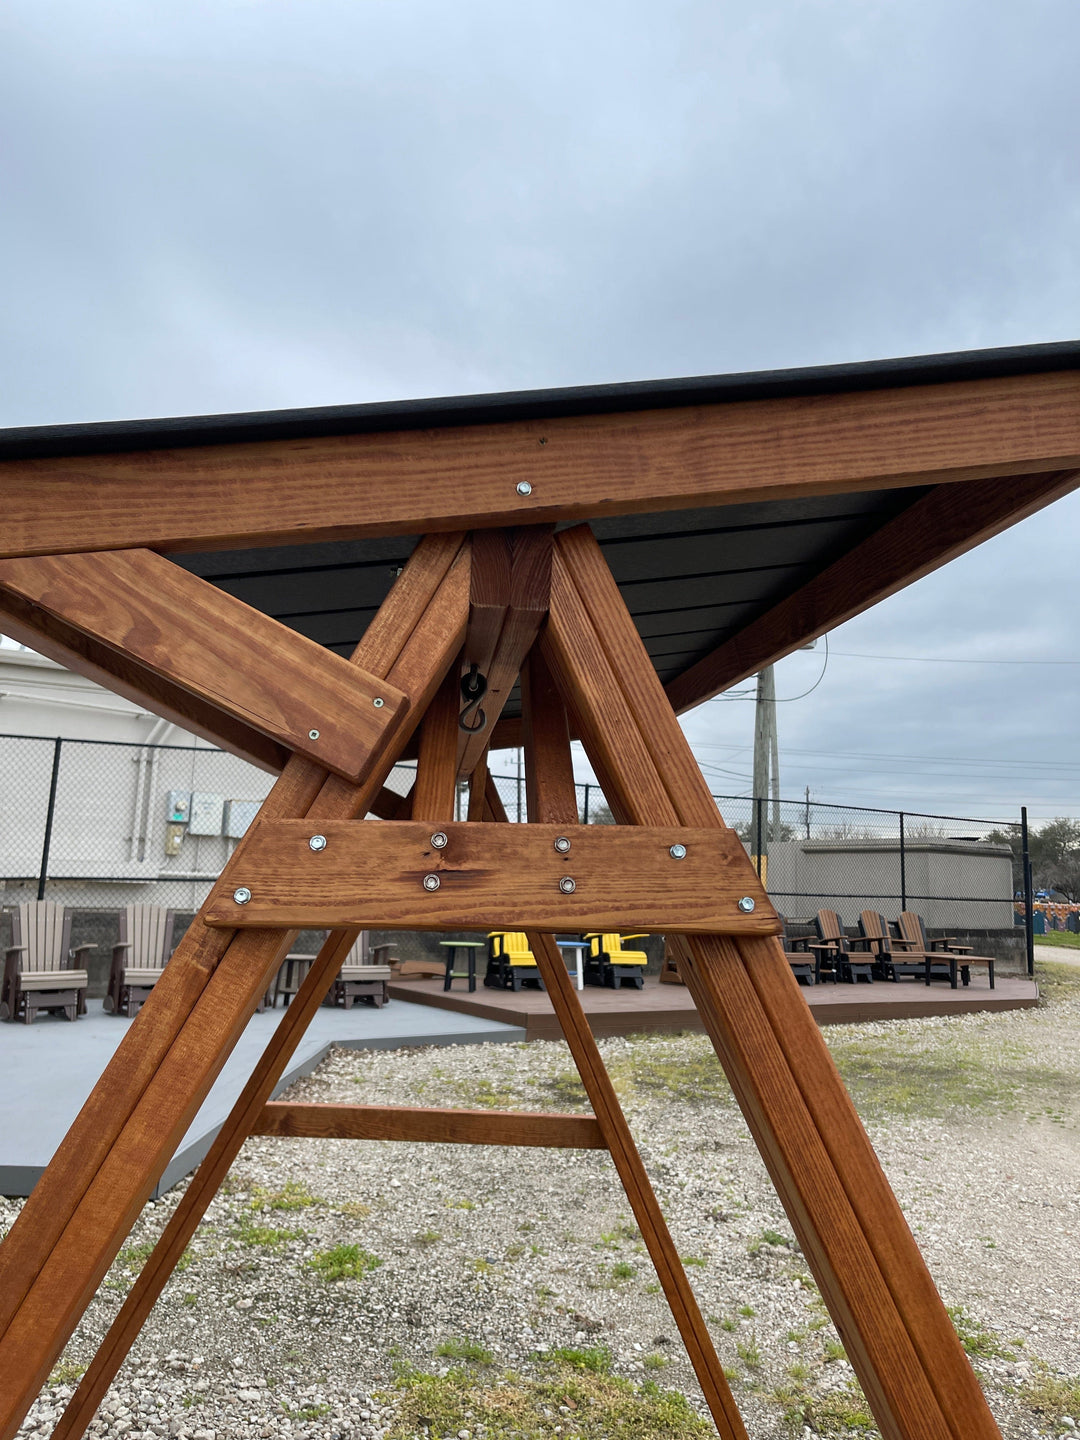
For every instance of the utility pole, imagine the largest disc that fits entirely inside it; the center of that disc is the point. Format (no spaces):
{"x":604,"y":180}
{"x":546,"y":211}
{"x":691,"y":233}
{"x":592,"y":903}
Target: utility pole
{"x":767,"y":756}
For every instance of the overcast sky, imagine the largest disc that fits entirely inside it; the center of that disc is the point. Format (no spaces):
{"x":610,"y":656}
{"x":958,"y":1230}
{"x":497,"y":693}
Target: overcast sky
{"x":234,"y":206}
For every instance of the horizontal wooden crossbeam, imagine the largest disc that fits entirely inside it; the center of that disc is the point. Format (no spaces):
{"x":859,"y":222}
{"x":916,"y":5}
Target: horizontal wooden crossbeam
{"x":444,"y":1127}
{"x":190,"y":651}
{"x":486,"y":877}
{"x":523,"y":472}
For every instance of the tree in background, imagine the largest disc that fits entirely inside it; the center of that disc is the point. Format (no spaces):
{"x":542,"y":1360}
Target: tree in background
{"x":1055,"y":855}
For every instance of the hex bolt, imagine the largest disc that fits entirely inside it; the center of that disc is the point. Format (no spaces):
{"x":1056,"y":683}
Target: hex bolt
{"x":431,"y":882}
{"x":748,"y":904}
{"x":242,"y":895}
{"x":438,"y":840}
{"x":317,"y":842}
{"x":378,"y":702}
{"x":562,"y":844}
{"x":677,"y":852}
{"x":566,"y":885}
{"x":524,"y":488}
{"x":313,"y":734}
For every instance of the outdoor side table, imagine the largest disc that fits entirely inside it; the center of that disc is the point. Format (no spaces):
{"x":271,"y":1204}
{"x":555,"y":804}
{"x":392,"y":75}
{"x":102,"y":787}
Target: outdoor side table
{"x":579,"y":946}
{"x":470,"y":947}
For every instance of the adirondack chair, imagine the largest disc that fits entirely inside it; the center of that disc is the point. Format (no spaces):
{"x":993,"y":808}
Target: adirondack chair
{"x":835,"y":950}
{"x":800,"y":954}
{"x":510,"y":961}
{"x":609,"y":963}
{"x":895,"y":956}
{"x":956,"y":957}
{"x":41,"y":970}
{"x":138,"y":958}
{"x":364,"y":975}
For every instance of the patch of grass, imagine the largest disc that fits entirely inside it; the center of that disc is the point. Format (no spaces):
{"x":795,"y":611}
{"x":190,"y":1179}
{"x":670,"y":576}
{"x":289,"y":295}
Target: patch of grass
{"x":699,"y":1260}
{"x":1063,"y":939}
{"x":515,"y":1252}
{"x":190,"y":1300}
{"x":596,"y":1359}
{"x":729,"y":1324}
{"x":622,"y":1270}
{"x":839,"y":1412}
{"x":601,"y":1405}
{"x":749,"y":1352}
{"x":611,"y":1239}
{"x":655,"y":1361}
{"x":1052,"y":1396}
{"x":1057,"y":982}
{"x":304,"y":1412}
{"x":834,"y":1350}
{"x":484,"y":1094}
{"x":344,"y":1262}
{"x":66,"y":1372}
{"x":264,"y":1237}
{"x":134,"y":1257}
{"x":746,"y":1311}
{"x":465,"y":1204}
{"x":977,"y":1339}
{"x":482,"y":1265}
{"x":354,"y":1208}
{"x":428,"y":1237}
{"x":680,"y":1067}
{"x":187,"y":1259}
{"x":469,"y":1350}
{"x":293,"y":1195}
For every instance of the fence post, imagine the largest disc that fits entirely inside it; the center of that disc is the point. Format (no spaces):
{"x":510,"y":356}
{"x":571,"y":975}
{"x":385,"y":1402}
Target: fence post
{"x":585,"y":821}
{"x":1029,"y":893}
{"x":58,"y":745}
{"x":759,"y":806}
{"x":903,"y":866}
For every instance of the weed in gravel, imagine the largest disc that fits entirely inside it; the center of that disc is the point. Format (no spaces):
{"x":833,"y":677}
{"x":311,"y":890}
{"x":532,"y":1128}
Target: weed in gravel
{"x":1053,"y":1396}
{"x":839,"y":1413}
{"x":977,"y":1339}
{"x":66,"y":1372}
{"x":190,"y":1300}
{"x":699,"y":1260}
{"x":344,"y":1262}
{"x":601,"y":1405}
{"x":749,"y":1352}
{"x":293,"y":1195}
{"x":833,"y":1350}
{"x":465,"y":1204}
{"x":304,"y":1412}
{"x":354,"y":1208}
{"x":427,"y":1237}
{"x":596,"y":1359}
{"x":484,"y":1094}
{"x":134,"y":1257}
{"x":515,"y":1252}
{"x":1057,"y":982}
{"x":469,"y":1350}
{"x":729,"y":1324}
{"x":264,"y":1237}
{"x":654,"y":1361}
{"x":187,"y":1259}
{"x":747,"y":1312}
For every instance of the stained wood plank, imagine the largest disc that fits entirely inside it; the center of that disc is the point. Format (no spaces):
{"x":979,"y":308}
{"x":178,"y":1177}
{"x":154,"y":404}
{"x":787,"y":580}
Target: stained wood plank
{"x":285,"y":491}
{"x":550,"y":790}
{"x":444,"y":1127}
{"x":871,"y":1274}
{"x":204,"y":1185}
{"x":436,"y":767}
{"x":530,"y":587}
{"x":948,"y":522}
{"x":373,"y":874}
{"x":72,"y":1226}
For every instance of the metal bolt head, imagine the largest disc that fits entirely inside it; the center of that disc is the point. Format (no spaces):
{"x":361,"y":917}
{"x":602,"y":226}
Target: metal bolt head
{"x":317,"y":842}
{"x":567,"y":885}
{"x":677,"y":852}
{"x":524,"y":488}
{"x":378,"y":702}
{"x":241,"y":895}
{"x":438,"y":840}
{"x":431,"y":882}
{"x":313,"y":734}
{"x":562,"y":844}
{"x":748,"y":904}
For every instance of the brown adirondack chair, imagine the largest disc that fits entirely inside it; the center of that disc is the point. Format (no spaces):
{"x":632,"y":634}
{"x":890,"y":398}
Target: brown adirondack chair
{"x":800,"y":954}
{"x":836,"y":953}
{"x":139,"y":957}
{"x":365,"y":975}
{"x":894,"y":956}
{"x":41,"y":970}
{"x":943,"y":954}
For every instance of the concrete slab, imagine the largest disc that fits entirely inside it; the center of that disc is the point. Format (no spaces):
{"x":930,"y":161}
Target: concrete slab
{"x":49,"y":1068}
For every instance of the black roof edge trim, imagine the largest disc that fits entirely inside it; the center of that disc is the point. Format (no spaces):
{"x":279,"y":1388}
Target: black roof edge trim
{"x":41,"y":441}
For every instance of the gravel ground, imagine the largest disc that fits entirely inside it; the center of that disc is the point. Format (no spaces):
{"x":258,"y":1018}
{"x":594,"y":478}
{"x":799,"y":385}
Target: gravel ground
{"x":489,"y":1284}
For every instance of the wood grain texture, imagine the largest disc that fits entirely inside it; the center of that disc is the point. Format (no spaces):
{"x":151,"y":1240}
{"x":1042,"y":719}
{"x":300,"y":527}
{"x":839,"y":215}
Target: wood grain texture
{"x":550,"y":791}
{"x":937,"y":528}
{"x":436,"y":768}
{"x":530,"y":588}
{"x":896,"y":1331}
{"x":371,"y":874}
{"x":204,"y":1185}
{"x":72,"y":1226}
{"x":184,"y":631}
{"x":444,"y":1127}
{"x":289,"y":491}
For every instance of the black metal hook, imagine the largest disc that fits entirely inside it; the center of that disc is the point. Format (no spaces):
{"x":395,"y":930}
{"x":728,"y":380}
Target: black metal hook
{"x":473,"y":690}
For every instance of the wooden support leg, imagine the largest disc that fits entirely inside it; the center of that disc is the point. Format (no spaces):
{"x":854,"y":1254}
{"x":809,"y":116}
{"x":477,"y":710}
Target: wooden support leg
{"x":553,"y":800}
{"x":897,"y":1333}
{"x":72,"y":1226}
{"x":205,"y":1183}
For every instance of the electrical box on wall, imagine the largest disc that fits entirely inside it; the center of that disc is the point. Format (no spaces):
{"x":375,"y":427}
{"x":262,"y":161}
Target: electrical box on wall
{"x":238,"y":816}
{"x":179,"y":807}
{"x":174,"y":836}
{"x":206,"y":813}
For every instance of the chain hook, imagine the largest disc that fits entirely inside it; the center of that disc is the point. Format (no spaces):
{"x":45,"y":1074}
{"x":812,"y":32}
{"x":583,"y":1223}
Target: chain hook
{"x":473,"y":690}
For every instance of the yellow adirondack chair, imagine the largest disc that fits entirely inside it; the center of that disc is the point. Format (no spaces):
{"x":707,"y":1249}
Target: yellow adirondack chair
{"x":610,"y":963}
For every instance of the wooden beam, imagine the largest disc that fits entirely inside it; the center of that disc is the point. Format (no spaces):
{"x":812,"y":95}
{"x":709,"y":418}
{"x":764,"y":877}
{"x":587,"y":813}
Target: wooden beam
{"x":433,"y":791}
{"x":73,"y":1224}
{"x":937,"y":528}
{"x":896,"y":1331}
{"x":444,"y":1127}
{"x":575,"y":467}
{"x":377,"y":875}
{"x":526,"y":610}
{"x":165,"y":632}
{"x":204,"y":1185}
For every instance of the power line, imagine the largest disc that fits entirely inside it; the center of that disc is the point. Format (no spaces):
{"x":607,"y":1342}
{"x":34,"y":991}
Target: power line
{"x":946,"y":659}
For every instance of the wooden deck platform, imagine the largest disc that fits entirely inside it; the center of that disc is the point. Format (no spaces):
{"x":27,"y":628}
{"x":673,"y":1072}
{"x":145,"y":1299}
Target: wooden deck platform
{"x":668,"y":1008}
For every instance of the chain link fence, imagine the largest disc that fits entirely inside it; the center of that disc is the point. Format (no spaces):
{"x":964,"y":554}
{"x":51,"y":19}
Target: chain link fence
{"x":99,"y":824}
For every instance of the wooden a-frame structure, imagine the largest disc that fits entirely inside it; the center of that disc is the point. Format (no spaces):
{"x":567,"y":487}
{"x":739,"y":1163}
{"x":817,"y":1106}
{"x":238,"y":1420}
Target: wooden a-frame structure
{"x":939,"y":453}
